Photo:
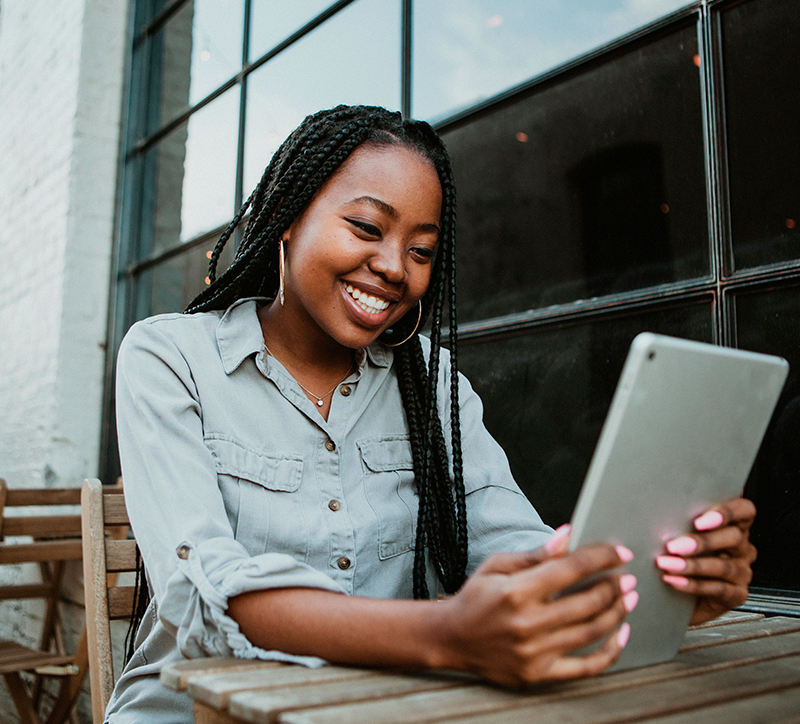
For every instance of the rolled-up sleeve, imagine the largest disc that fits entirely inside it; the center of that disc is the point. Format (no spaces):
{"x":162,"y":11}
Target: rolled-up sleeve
{"x":193,"y":561}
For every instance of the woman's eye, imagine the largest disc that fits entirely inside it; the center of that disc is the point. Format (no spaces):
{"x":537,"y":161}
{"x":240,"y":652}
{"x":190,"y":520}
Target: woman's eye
{"x":422,"y":252}
{"x":367,"y":228}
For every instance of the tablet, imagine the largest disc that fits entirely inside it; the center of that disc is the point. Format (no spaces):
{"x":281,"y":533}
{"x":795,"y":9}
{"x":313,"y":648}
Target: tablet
{"x":681,"y":435}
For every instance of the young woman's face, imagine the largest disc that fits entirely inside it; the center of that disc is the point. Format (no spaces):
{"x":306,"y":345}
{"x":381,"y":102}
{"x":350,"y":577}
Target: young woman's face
{"x":361,"y":254}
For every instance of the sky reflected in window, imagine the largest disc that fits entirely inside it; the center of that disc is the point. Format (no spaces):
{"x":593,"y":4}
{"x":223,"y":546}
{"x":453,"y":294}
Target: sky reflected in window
{"x":473,"y":49}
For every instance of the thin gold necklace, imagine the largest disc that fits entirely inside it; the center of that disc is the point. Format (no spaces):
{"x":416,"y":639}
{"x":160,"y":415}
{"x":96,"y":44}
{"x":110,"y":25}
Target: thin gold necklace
{"x":320,"y":400}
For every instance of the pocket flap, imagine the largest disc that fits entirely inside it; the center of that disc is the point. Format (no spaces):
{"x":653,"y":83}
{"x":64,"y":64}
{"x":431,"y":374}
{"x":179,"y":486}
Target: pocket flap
{"x":274,"y":471}
{"x":384,"y":454}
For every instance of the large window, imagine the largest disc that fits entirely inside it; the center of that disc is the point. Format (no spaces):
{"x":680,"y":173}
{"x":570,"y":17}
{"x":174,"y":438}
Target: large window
{"x":621,"y":166}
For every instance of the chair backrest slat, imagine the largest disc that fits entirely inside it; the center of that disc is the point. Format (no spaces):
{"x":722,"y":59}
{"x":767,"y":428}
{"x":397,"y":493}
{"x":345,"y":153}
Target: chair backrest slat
{"x":120,"y":555}
{"x":120,"y":602}
{"x":43,"y":526}
{"x":105,"y":550}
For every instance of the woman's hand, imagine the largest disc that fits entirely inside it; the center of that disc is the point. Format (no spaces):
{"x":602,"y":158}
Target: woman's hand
{"x":508,"y":623}
{"x":715,"y":562}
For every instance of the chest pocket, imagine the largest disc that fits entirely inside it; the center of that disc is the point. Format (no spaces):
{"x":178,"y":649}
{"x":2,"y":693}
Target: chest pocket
{"x":389,"y":484}
{"x":261,"y":492}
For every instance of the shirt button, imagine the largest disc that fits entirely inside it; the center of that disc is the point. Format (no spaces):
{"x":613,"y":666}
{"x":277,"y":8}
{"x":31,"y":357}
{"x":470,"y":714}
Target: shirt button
{"x":183,"y":552}
{"x":330,"y":445}
{"x":343,"y":563}
{"x":334,"y":505}
{"x":345,"y":390}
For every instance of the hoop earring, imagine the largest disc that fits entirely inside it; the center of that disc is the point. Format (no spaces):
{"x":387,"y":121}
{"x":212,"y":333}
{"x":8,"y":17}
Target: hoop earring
{"x":281,"y":264}
{"x":413,"y":331}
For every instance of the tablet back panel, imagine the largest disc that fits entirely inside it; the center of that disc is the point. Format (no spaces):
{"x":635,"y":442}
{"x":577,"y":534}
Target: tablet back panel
{"x":683,"y":430}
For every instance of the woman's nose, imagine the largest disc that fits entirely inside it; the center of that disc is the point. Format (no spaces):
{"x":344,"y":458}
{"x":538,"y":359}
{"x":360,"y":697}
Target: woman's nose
{"x":387,"y":261}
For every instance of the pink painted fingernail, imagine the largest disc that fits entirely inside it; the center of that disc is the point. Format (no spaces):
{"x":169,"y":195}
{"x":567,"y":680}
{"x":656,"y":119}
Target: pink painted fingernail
{"x":679,"y":581}
{"x":630,"y":600}
{"x":625,"y":554}
{"x":682,"y":546}
{"x":670,"y":563}
{"x":627,"y":582}
{"x":558,"y":535}
{"x":708,"y":521}
{"x":623,"y":635}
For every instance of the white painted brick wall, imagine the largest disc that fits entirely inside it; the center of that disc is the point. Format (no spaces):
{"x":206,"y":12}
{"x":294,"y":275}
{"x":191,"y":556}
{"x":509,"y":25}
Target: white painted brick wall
{"x":61,"y":82}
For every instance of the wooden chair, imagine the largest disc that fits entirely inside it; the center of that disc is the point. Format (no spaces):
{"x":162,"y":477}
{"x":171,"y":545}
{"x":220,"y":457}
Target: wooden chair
{"x":48,"y":540}
{"x":106,"y":553}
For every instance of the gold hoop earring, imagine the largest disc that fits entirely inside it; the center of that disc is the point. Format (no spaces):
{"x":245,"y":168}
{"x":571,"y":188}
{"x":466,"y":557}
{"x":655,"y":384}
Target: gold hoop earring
{"x":281,"y":265}
{"x":413,"y":331}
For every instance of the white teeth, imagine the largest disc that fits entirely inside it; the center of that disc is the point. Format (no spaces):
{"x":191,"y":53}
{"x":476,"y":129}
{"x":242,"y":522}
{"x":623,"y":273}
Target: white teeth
{"x":367,"y":302}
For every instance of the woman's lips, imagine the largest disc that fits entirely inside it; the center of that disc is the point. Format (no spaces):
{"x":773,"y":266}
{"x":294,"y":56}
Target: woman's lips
{"x":368,"y":308}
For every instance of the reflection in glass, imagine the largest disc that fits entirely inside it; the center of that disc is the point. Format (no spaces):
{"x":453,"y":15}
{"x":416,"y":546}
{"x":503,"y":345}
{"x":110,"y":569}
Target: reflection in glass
{"x":352,"y":58}
{"x":170,"y":286}
{"x":762,"y":107}
{"x":592,"y":185}
{"x":546,"y":393}
{"x":195,"y":174}
{"x":272,"y":21}
{"x":198,"y":50}
{"x":766,"y":321}
{"x":473,"y":49}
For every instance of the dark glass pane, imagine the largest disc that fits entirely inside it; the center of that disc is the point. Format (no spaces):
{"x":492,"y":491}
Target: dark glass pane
{"x":272,"y":21}
{"x":354,"y":57}
{"x":170,"y":286}
{"x":473,"y":50}
{"x":761,"y":65}
{"x":192,"y":173}
{"x":196,"y":51}
{"x":546,"y":393}
{"x":766,"y":321}
{"x":589,"y":185}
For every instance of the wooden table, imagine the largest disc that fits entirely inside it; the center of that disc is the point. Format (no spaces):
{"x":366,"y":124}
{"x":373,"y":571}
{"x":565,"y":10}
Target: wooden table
{"x":742,"y":669}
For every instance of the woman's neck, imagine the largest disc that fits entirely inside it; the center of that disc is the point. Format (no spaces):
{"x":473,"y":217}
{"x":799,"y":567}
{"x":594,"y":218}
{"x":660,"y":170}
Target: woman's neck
{"x":315,"y":360}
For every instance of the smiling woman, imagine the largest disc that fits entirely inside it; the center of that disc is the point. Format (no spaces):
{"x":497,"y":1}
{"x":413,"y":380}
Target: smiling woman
{"x":318,"y":463}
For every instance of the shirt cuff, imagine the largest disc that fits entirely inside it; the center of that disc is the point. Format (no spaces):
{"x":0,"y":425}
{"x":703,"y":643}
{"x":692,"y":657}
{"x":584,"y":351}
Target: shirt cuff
{"x":196,"y":598}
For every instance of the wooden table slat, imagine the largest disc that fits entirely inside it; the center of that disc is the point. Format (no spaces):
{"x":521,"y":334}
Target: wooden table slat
{"x":777,"y":707}
{"x":263,"y":707}
{"x":751,"y":629}
{"x":176,"y":675}
{"x":216,"y":689}
{"x":657,"y":699}
{"x":475,"y":699}
{"x":746,"y":665}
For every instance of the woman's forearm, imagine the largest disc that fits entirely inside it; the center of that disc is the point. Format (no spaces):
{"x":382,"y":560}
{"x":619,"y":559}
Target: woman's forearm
{"x":343,"y":629}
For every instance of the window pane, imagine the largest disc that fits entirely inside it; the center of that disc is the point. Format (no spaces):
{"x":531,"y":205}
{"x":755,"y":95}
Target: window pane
{"x":465,"y":51}
{"x":353,"y":58}
{"x":198,"y":49}
{"x":766,"y":321}
{"x":170,"y":286}
{"x":272,"y":21}
{"x":547,"y":392}
{"x":589,"y":186}
{"x":199,"y":159}
{"x":762,"y":69}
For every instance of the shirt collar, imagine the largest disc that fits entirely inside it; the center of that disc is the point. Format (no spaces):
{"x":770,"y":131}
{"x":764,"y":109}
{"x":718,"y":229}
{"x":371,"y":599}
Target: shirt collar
{"x":239,"y":336}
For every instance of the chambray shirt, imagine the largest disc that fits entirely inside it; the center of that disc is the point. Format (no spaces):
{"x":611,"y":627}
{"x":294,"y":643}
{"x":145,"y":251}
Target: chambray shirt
{"x":234,"y":482}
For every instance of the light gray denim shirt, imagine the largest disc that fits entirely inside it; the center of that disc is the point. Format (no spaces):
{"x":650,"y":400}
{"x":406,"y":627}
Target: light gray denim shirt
{"x":234,"y":482}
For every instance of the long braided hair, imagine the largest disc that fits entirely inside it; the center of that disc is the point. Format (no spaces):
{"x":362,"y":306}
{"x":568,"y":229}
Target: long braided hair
{"x":297,"y":171}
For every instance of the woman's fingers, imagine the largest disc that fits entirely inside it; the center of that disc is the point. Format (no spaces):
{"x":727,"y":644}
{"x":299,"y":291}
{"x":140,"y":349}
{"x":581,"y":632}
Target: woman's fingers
{"x":555,"y":575}
{"x":739,"y":511}
{"x":713,"y":563}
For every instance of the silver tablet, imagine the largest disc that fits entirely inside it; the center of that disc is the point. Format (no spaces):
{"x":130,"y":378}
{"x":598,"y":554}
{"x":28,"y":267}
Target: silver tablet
{"x":683,"y":430}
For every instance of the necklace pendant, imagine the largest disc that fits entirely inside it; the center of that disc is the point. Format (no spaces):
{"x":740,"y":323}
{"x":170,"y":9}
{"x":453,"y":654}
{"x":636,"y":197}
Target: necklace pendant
{"x":319,"y":403}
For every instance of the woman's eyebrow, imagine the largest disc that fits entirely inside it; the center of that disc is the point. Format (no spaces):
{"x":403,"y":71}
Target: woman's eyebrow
{"x":389,"y":210}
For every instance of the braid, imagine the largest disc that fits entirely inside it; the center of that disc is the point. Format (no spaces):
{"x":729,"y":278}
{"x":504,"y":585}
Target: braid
{"x":298,"y":170}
